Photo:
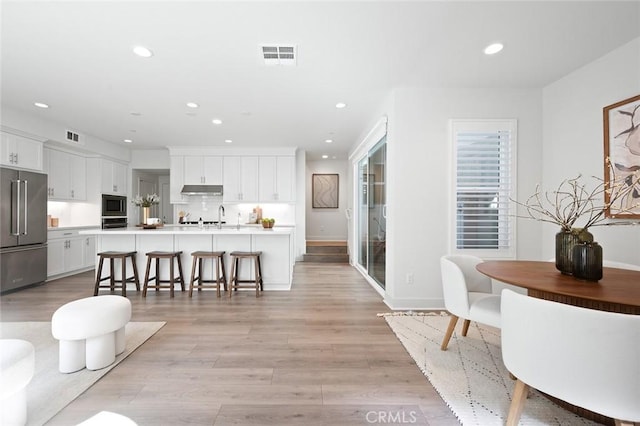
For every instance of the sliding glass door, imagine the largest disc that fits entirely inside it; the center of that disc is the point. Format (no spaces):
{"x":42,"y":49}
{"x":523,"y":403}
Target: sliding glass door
{"x":372,"y":220}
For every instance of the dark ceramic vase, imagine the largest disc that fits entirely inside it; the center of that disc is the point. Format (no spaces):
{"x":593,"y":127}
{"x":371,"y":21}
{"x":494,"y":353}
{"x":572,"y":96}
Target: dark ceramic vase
{"x":565,"y":240}
{"x":587,"y":261}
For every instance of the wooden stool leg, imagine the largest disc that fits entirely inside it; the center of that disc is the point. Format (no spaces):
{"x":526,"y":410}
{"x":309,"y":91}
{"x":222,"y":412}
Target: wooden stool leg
{"x":146,"y":278}
{"x":224,"y":275}
{"x":135,"y":272}
{"x":112,"y":281}
{"x":193,"y":274}
{"x":234,"y":263}
{"x":257,"y":272}
{"x":157,"y":274}
{"x":98,"y":276}
{"x":171,"y":276}
{"x":180,"y":272}
{"x":260,"y":272}
{"x":200,"y":273}
{"x":123,"y":260}
{"x":216,"y":262}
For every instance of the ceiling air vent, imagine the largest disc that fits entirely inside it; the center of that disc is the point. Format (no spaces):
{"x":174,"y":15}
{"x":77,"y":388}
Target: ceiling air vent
{"x":73,"y":137}
{"x":279,"y":55}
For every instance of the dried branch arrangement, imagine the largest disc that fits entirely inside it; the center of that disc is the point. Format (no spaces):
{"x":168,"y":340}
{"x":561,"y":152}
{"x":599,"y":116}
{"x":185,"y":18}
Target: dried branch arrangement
{"x":573,"y":200}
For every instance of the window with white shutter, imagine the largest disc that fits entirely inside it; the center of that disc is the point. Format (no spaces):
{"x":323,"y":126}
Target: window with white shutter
{"x":484,"y":179}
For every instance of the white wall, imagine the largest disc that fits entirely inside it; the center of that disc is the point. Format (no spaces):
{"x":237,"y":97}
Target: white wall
{"x":573,"y":136}
{"x":419,"y":171}
{"x":37,"y":124}
{"x":150,"y":159}
{"x":327,"y":224}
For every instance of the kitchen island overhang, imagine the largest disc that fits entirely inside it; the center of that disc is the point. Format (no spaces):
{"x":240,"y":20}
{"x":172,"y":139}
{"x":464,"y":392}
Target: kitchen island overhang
{"x":276,"y":245}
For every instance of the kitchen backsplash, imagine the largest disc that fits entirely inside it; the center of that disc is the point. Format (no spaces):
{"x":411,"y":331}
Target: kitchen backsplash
{"x":74,"y":214}
{"x":207,"y":209}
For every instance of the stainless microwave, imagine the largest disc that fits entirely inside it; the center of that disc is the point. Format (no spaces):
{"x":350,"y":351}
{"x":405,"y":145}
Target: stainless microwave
{"x":114,"y":205}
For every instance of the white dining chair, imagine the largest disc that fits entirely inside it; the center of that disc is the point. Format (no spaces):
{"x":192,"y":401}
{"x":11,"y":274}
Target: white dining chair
{"x":467,"y":294}
{"x":585,"y":357}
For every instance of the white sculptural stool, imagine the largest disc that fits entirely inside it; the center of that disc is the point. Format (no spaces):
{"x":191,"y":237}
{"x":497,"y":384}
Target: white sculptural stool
{"x":91,"y":331}
{"x":17,"y":363}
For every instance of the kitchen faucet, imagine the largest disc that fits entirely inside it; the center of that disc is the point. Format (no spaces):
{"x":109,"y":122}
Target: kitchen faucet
{"x":220,"y":211}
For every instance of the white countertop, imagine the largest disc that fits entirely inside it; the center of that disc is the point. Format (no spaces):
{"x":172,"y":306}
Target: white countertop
{"x":191,"y":229}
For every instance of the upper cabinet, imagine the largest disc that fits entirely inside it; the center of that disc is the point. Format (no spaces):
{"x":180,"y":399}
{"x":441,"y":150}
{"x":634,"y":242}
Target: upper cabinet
{"x":20,"y":151}
{"x":202,"y":170}
{"x":67,"y":175}
{"x":265,"y":175}
{"x":114,"y":177}
{"x":176,"y":179}
{"x":240,"y":179}
{"x":277,"y":179}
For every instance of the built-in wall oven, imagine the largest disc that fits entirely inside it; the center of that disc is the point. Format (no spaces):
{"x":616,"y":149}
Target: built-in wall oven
{"x":114,"y":205}
{"x":114,"y":222}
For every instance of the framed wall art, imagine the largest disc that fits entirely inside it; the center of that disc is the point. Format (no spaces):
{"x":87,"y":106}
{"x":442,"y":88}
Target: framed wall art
{"x":622,"y":149}
{"x":324,"y":190}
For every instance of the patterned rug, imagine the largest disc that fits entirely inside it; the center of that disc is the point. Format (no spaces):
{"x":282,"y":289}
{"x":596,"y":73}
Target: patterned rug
{"x":470,"y":375}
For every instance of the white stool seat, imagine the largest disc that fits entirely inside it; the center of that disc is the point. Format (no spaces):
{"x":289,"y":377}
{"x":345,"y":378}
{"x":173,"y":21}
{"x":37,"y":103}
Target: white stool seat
{"x":91,"y":331}
{"x":17,"y":363}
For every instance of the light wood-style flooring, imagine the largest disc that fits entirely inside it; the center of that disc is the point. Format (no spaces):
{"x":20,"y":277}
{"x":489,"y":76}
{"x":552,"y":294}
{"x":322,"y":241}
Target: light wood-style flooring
{"x":316,"y":355}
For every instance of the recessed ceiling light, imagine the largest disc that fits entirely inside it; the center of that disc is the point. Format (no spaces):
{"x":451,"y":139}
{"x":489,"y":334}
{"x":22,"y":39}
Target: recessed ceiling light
{"x":41,"y":105}
{"x":216,"y":121}
{"x":142,"y":51}
{"x":340,"y":105}
{"x":192,"y":105}
{"x":325,"y":156}
{"x":136,"y":114}
{"x":128,"y":140}
{"x":493,"y":48}
{"x":228,"y":141}
{"x":132,"y":130}
{"x":329,"y":140}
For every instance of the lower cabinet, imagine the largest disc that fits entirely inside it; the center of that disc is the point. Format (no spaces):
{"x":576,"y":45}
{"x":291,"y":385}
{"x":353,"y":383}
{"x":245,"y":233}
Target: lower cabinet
{"x":68,"y":252}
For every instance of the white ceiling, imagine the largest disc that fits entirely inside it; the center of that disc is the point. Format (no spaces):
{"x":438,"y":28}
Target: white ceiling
{"x":76,"y":57}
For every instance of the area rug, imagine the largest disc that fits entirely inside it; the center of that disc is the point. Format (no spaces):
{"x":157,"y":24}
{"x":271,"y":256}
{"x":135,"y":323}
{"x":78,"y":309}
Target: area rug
{"x":50,"y":391}
{"x":470,"y":375}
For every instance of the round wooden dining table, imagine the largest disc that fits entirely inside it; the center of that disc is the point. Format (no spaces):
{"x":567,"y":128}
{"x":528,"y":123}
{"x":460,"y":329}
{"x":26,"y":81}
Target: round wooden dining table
{"x":617,"y":291}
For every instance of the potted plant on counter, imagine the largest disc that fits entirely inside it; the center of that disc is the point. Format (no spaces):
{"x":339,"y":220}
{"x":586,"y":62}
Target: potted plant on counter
{"x":146,"y":202}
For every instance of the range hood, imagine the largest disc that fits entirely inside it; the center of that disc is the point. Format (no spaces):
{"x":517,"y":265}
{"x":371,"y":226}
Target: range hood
{"x":202,"y":190}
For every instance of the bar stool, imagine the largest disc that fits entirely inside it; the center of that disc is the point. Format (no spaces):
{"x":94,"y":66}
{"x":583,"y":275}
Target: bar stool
{"x":216,"y":257}
{"x":112,"y":256}
{"x":158,"y":255}
{"x":234,"y":282}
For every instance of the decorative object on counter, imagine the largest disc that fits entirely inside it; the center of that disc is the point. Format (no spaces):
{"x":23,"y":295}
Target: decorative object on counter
{"x":183,"y":216}
{"x":572,"y":200}
{"x":55,"y":222}
{"x":257,"y":211}
{"x":587,"y":261}
{"x":146,"y":202}
{"x":268,"y":223}
{"x":622,"y":145}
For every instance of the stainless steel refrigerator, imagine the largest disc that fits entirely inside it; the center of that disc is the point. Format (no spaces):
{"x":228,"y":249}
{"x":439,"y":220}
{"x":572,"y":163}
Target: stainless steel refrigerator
{"x":23,"y":228}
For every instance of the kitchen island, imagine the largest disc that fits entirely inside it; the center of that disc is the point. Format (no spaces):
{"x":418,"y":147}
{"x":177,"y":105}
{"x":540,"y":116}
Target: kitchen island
{"x":276,"y":245}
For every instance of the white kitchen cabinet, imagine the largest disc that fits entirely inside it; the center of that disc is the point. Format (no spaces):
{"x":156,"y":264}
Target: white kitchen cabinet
{"x":89,"y":251}
{"x":67,"y":252}
{"x":203,"y":170}
{"x":114,"y":177}
{"x":240,"y":179}
{"x":277,"y":179}
{"x":20,"y":151}
{"x":176,"y":179}
{"x":67,"y":175}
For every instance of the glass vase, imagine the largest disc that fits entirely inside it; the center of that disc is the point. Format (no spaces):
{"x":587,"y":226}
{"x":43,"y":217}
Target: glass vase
{"x":565,"y":240}
{"x":587,"y":261}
